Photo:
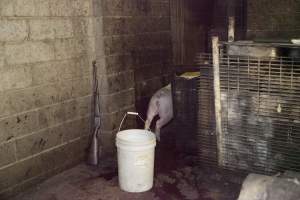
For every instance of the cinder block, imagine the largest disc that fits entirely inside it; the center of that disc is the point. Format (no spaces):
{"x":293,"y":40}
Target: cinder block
{"x":38,"y":142}
{"x":19,"y":125}
{"x":99,"y":46}
{"x":52,"y":115}
{"x":47,"y":95}
{"x":85,"y":66}
{"x":41,"y":29}
{"x":44,"y":117}
{"x":55,"y":158}
{"x":24,"y":7}
{"x":42,"y":7}
{"x":135,"y":24}
{"x":111,"y":121}
{"x":97,"y":8}
{"x":13,"y":30}
{"x":69,"y":48}
{"x":61,"y":91}
{"x":32,"y":171}
{"x":61,"y":8}
{"x":29,"y":52}
{"x":42,"y":163}
{"x":119,"y":63}
{"x":159,"y":8}
{"x":115,"y":45}
{"x":82,"y":7}
{"x":91,"y":46}
{"x":113,"y":7}
{"x":76,"y":129}
{"x":160,"y":24}
{"x":86,"y":128}
{"x":21,"y":100}
{"x":59,"y":113}
{"x":7,"y":153}
{"x":2,"y":57}
{"x":148,"y":56}
{"x":65,"y":91}
{"x":23,"y":186}
{"x":15,"y":78}
{"x":71,"y":109}
{"x":98,"y":25}
{"x":113,"y":102}
{"x":135,"y":8}
{"x":103,"y":85}
{"x":7,"y":8}
{"x":148,"y":72}
{"x":20,"y":172}
{"x":84,"y":106}
{"x":120,"y":81}
{"x":63,"y":28}
{"x":80,"y":26}
{"x":91,"y":26}
{"x":148,"y":87}
{"x":67,"y":69}
{"x":107,"y":141}
{"x":44,"y":73}
{"x":4,"y":104}
{"x":115,"y":26}
{"x":101,"y":66}
{"x":81,"y":87}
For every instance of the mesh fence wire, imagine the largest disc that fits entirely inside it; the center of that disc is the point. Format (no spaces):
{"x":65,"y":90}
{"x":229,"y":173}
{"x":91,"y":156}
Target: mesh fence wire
{"x":260,"y":101}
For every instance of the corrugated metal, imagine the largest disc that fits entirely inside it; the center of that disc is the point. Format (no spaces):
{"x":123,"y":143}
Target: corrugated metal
{"x":260,"y":100}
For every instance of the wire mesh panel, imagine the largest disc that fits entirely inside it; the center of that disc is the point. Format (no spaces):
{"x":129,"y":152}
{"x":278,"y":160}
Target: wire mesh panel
{"x":260,"y":114}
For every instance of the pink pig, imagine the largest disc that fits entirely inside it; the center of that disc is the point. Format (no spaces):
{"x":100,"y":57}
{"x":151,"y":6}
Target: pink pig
{"x":161,"y":104}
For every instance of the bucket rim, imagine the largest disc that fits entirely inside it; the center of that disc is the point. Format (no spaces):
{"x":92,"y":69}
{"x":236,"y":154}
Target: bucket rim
{"x":120,"y":136}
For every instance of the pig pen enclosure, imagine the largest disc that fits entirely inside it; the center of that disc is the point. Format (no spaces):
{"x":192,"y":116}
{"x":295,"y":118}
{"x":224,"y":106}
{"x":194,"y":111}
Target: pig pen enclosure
{"x":257,"y":102}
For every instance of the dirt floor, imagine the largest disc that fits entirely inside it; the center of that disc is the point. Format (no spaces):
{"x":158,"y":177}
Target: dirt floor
{"x":177,"y":177}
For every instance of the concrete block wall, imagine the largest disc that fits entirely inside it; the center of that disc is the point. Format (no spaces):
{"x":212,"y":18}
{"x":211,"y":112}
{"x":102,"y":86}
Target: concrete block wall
{"x":273,"y":19}
{"x":46,"y":53}
{"x":46,"y":50}
{"x":152,"y":53}
{"x":137,"y":46}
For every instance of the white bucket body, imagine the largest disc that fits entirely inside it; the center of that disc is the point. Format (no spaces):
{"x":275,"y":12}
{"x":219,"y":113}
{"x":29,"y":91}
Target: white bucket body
{"x":135,"y":159}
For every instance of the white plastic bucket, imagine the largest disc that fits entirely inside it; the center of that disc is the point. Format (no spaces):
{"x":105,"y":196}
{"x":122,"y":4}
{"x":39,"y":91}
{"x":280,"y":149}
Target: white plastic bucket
{"x":135,"y":159}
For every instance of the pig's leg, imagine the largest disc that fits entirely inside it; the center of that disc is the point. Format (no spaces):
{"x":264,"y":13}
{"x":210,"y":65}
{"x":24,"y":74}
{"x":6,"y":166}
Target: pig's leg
{"x":159,"y":124}
{"x":148,"y":121}
{"x":151,"y":113}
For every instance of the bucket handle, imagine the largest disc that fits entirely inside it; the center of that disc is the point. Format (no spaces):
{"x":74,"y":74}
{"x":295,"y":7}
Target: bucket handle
{"x":130,"y":113}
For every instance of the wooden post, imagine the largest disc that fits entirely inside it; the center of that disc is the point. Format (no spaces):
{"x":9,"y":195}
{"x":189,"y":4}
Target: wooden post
{"x":217,"y":94}
{"x":231,"y":24}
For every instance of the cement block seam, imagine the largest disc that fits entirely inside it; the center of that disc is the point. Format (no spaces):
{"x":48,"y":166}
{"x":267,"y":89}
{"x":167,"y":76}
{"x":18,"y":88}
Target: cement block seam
{"x":42,"y":8}
{"x":50,"y":127}
{"x":35,"y":155}
{"x":37,"y":110}
{"x":72,"y":96}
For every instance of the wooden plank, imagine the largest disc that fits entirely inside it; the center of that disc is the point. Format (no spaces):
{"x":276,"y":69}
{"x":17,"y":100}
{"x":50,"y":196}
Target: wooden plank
{"x":217,"y":92}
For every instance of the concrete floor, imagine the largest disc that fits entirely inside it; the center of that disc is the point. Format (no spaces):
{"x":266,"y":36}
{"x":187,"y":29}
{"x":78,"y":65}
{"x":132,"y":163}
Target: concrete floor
{"x":176,"y":178}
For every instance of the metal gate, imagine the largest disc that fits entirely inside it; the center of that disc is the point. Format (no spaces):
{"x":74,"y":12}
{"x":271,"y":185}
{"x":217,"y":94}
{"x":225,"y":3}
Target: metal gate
{"x":259,"y":117}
